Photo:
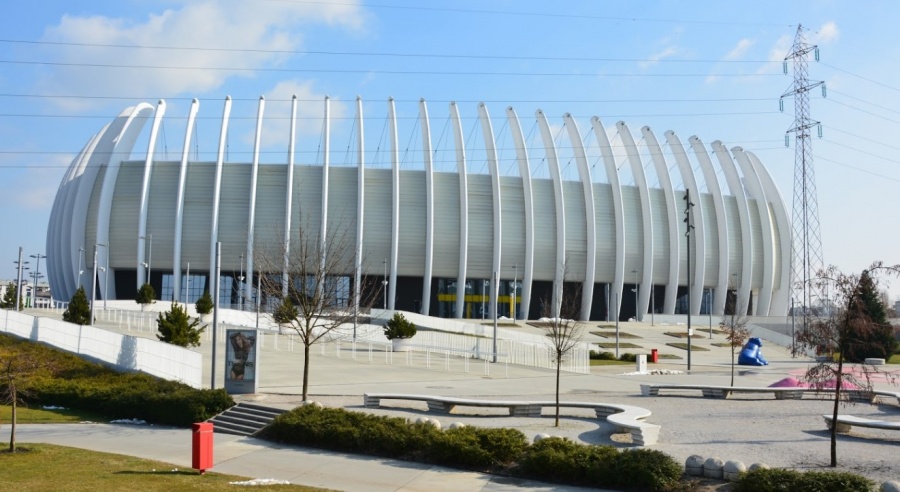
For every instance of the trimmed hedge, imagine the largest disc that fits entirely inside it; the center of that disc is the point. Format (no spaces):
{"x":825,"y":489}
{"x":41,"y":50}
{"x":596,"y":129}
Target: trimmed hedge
{"x":776,"y":480}
{"x":64,"y":379}
{"x":496,"y":450}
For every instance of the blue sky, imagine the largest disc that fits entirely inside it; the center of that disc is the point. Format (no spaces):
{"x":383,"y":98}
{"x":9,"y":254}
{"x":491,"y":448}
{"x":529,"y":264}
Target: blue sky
{"x":711,"y":69}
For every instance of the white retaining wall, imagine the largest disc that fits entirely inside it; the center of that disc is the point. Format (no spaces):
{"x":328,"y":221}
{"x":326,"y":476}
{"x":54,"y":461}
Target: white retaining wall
{"x":124,"y":352}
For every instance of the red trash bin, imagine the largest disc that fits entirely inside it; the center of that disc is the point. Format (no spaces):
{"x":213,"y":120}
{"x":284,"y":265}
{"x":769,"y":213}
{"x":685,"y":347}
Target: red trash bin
{"x":654,"y":356}
{"x":202,"y":449}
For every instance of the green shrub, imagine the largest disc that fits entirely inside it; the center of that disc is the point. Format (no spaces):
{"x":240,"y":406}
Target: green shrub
{"x":645,"y":469}
{"x":628,"y":357}
{"x":69,"y":381}
{"x":399,"y":327}
{"x":561,"y":460}
{"x":775,"y":479}
{"x":602,"y":355}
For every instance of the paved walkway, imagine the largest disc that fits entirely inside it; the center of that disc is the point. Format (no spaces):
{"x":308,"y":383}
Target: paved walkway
{"x":339,"y":373}
{"x":256,"y":458}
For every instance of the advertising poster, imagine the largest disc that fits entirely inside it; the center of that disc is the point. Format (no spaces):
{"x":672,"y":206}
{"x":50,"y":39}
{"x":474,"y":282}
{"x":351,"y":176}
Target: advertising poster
{"x":241,"y":361}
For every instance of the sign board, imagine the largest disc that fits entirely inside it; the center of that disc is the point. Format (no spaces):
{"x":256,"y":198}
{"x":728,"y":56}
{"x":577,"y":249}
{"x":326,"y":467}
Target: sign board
{"x":241,"y":361}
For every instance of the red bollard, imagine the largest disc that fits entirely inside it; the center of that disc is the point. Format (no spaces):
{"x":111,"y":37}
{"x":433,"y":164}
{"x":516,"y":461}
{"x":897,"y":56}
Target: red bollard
{"x":654,"y":356}
{"x":202,"y":449}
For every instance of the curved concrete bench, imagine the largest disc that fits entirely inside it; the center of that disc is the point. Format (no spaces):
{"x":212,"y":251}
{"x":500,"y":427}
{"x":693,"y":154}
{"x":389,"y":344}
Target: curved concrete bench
{"x":845,"y":422}
{"x":711,"y":391}
{"x":626,"y":418}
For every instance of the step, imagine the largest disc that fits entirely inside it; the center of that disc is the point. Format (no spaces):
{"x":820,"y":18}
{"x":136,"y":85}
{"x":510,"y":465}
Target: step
{"x":234,"y":428}
{"x":261,"y":408}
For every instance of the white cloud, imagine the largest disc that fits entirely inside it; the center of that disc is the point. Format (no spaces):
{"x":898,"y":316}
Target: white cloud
{"x":738,"y":51}
{"x":35,"y":187}
{"x":310,"y":113}
{"x":261,"y":28}
{"x":828,"y":33}
{"x":661,"y":55}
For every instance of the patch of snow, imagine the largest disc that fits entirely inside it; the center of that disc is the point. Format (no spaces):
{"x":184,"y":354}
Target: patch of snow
{"x":260,"y":482}
{"x":52,"y":407}
{"x":129,"y":421}
{"x":654,"y":372}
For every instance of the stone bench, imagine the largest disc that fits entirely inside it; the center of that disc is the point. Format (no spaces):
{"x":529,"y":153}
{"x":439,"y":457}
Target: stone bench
{"x":446,"y":404}
{"x":845,"y":422}
{"x":710,"y":391}
{"x":625,"y":418}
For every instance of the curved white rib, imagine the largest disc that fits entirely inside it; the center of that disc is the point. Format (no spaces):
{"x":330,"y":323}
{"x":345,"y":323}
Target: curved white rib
{"x":217,"y":193}
{"x":55,"y":275}
{"x":737,"y":189}
{"x":254,"y":178}
{"x":781,"y":292}
{"x":429,"y":207}
{"x":612,"y":175}
{"x":361,"y":201}
{"x":712,"y":186}
{"x":698,"y":248}
{"x":640,"y":179}
{"x":395,"y":202}
{"x":553,"y":165}
{"x":289,"y":201}
{"x":672,"y":214}
{"x":490,"y":148}
{"x":83,"y":186}
{"x":62,"y":238}
{"x":587,"y":183}
{"x":145,"y":191}
{"x":525,"y":173}
{"x":751,"y":180}
{"x":463,"y":209}
{"x":179,"y":202}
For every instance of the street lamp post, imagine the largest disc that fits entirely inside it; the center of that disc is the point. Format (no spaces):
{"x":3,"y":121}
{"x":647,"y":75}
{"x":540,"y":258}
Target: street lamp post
{"x":105,"y":272}
{"x":80,"y":263}
{"x":149,"y":239}
{"x":635,"y":272}
{"x":709,"y":309}
{"x":37,"y":273}
{"x":187,"y":284}
{"x":93,"y":284}
{"x":688,"y":220}
{"x":384,"y":284}
{"x":241,"y":285}
{"x":515,"y":291}
{"x":19,"y":264}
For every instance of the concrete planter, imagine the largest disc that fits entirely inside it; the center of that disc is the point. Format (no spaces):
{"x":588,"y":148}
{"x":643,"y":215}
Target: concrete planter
{"x":401,"y":344}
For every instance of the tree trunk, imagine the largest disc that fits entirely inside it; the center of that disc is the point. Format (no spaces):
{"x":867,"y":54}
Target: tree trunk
{"x":305,"y":370}
{"x":558,"y":367}
{"x":12,"y":426}
{"x":834,"y":412}
{"x":732,"y":366}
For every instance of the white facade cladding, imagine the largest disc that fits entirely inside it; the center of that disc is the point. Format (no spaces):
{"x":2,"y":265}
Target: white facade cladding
{"x":435,"y":238}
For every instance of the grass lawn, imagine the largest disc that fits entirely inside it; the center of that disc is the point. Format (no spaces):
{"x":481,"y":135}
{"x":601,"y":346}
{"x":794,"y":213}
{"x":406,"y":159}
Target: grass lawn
{"x":37,"y":415}
{"x":684,"y":346}
{"x":622,"y":334}
{"x":608,"y":362}
{"x":678,"y":334}
{"x":895,"y":359}
{"x":669,"y":356}
{"x":612,"y":345}
{"x":721,"y":344}
{"x":49,"y":467}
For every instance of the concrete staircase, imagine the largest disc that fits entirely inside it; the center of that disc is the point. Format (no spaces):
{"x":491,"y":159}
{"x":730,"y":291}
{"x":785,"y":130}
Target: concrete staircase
{"x":244,"y":419}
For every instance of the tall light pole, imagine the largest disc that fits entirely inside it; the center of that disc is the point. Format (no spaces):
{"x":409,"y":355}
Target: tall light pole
{"x":515,"y":291}
{"x":148,"y":264}
{"x":635,"y":272}
{"x":105,"y":270}
{"x":384,"y":284}
{"x":80,"y":263}
{"x":93,"y":284}
{"x":19,"y":264}
{"x":709,"y":309}
{"x":215,"y":327}
{"x":37,"y":273}
{"x":688,"y":220}
{"x":241,"y":285}
{"x":494,"y":291}
{"x":187,"y":284}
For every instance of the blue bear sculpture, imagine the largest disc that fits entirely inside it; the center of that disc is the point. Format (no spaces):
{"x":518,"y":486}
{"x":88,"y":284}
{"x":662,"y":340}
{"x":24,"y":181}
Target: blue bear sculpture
{"x":751,"y":354}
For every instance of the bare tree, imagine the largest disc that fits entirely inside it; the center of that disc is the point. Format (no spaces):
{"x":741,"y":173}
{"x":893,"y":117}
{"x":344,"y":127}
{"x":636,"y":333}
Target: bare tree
{"x":834,"y":333}
{"x":319,"y":285}
{"x":18,"y":370}
{"x":735,"y":327}
{"x":563,"y":331}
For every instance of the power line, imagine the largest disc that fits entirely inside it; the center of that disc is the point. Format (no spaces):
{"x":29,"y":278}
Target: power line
{"x":371,"y":53}
{"x":538,"y":14}
{"x":855,"y":168}
{"x":867,"y":79}
{"x":372,"y":71}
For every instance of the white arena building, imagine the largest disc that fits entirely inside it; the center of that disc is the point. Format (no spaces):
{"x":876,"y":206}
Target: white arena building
{"x":616,"y":246}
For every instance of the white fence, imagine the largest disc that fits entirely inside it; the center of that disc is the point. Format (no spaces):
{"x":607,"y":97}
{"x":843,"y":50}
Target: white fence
{"x":125,"y":352}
